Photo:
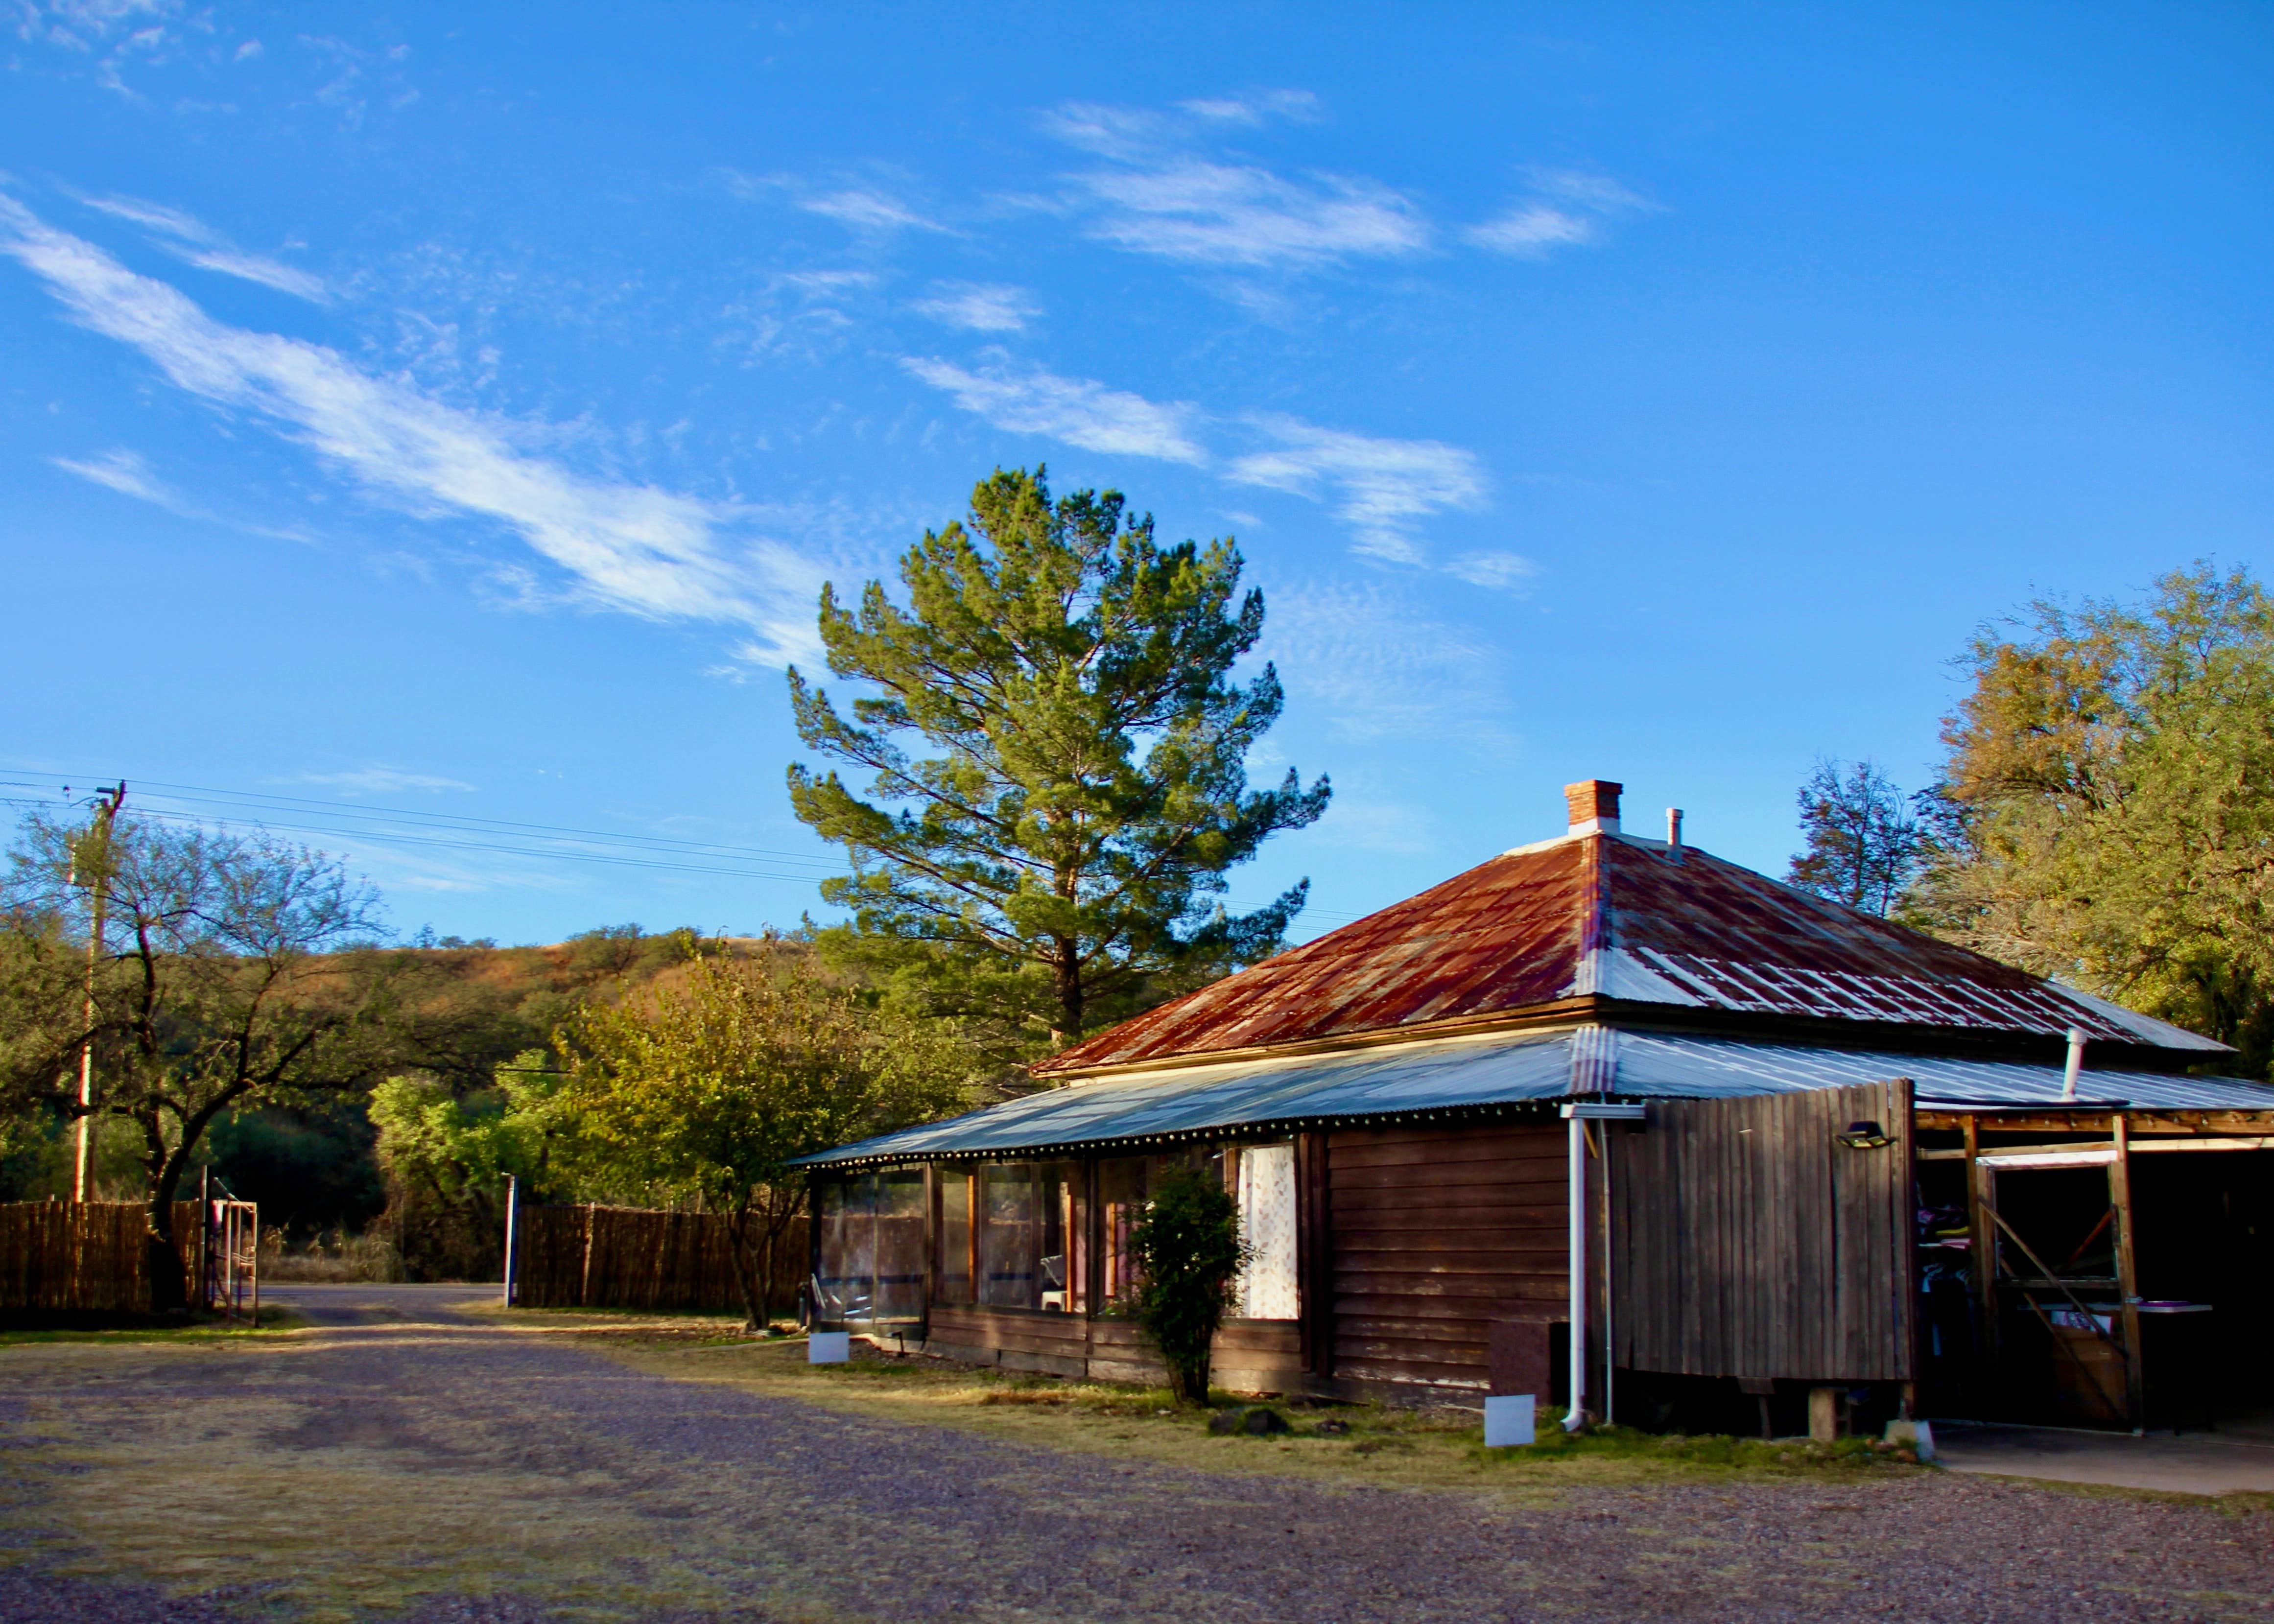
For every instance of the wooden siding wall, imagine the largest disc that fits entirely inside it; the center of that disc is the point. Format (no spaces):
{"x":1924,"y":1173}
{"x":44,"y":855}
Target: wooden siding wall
{"x":92,"y":1257}
{"x":1748,"y":1243}
{"x":1432,"y":1234}
{"x":1250,"y":1355}
{"x":624,"y":1257}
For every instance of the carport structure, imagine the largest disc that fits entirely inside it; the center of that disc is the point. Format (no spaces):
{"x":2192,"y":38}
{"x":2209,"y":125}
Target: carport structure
{"x":1772,"y":1139}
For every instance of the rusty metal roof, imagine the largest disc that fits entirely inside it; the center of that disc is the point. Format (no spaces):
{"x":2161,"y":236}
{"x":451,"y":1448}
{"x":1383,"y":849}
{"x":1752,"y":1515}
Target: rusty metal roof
{"x":1616,"y":917}
{"x":1518,"y":1071}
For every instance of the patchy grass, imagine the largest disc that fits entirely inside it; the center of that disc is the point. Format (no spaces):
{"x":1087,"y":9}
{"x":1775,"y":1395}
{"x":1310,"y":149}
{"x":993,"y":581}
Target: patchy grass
{"x":1381,"y":1444}
{"x":441,"y":1497}
{"x":205,"y":1328}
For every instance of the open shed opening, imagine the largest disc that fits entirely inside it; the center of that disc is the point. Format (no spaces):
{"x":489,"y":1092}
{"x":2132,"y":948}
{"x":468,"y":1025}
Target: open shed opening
{"x":2110,"y":1269}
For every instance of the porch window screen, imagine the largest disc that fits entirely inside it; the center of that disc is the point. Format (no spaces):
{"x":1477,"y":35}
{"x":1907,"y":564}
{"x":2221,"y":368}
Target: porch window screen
{"x":872,"y":1248}
{"x":1030,"y":1225}
{"x":1121,"y":1192}
{"x":952,"y":1276}
{"x":1267,"y":1221}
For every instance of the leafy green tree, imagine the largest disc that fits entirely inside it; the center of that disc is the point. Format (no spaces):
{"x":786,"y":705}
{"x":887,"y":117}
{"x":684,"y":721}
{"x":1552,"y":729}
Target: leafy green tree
{"x":1188,"y":1253}
{"x":1865,"y":842}
{"x":1057,"y":856}
{"x":225,"y":984}
{"x":707,"y":1090}
{"x":448,"y":1156}
{"x":2109,"y":796}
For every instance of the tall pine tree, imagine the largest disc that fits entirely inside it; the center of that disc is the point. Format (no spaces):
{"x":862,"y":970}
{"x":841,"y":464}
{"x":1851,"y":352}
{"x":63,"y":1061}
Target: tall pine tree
{"x":1056,"y":753}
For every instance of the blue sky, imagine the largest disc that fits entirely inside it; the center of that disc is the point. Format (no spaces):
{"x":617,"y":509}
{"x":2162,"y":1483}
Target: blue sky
{"x":427,"y":427}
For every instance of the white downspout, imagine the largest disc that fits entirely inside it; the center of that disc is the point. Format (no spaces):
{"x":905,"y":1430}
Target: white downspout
{"x":1579,"y":1114}
{"x":1576,"y":1416}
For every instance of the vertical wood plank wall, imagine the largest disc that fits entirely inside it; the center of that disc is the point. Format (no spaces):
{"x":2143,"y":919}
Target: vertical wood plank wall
{"x":1432,"y":1234}
{"x":1748,"y":1242}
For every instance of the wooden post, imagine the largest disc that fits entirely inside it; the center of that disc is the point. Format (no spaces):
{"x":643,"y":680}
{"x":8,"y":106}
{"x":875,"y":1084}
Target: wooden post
{"x":1824,"y":1415}
{"x":512,"y":1205}
{"x":2128,"y":1285}
{"x":1982,"y":1246}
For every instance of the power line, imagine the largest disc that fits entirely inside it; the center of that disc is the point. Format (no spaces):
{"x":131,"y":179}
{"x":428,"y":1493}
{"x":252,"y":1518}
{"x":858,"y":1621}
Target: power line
{"x":205,"y":795}
{"x":433,"y":831}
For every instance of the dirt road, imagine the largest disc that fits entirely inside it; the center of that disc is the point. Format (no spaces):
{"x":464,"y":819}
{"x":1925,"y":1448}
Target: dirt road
{"x":406,"y":1459}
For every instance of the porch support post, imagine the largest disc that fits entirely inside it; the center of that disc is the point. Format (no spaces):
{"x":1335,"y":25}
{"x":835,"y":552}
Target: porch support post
{"x":1981,"y":1248}
{"x":2128,"y":1284}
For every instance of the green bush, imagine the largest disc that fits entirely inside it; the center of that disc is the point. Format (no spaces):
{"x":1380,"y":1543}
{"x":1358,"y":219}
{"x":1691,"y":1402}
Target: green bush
{"x":1187,"y":1250}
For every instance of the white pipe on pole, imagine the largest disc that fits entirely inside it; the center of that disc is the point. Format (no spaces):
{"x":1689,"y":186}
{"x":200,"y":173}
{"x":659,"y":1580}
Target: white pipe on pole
{"x":2076,"y":1063}
{"x":512,"y":1204}
{"x":1575,"y":1417}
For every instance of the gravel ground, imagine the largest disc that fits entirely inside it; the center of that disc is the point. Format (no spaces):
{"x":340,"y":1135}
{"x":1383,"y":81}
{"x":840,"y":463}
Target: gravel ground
{"x":403,"y":1462}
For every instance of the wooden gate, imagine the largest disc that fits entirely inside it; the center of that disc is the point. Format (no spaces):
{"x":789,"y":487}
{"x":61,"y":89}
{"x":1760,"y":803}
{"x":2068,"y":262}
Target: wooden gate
{"x":232,"y":1250}
{"x":1748,"y":1240}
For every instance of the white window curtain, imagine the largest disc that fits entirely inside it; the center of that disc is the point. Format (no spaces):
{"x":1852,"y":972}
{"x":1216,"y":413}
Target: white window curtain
{"x":1266,"y":1222}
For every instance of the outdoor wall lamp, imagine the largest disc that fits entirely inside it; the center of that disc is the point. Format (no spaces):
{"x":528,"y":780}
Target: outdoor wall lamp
{"x":1864,"y":1135}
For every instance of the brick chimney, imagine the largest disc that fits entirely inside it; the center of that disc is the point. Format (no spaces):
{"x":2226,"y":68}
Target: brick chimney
{"x":1594,"y":807}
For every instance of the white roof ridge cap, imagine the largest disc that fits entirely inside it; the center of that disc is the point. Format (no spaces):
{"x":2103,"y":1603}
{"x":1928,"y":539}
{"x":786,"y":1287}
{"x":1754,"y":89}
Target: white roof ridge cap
{"x":1530,"y":847}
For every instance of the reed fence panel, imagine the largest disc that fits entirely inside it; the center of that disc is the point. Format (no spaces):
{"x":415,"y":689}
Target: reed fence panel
{"x":629,"y":1257}
{"x":85,"y":1257}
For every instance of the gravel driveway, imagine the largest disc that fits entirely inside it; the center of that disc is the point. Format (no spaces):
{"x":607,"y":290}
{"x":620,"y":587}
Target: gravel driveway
{"x":403,"y":1461}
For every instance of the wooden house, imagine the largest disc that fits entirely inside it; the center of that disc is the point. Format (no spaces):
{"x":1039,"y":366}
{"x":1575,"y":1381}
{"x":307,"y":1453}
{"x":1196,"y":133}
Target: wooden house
{"x":1613,"y":1106}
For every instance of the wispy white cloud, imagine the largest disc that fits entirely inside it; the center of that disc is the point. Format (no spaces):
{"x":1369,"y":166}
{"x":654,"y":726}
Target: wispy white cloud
{"x":862,"y":207}
{"x":1240,"y":214}
{"x":798,"y":313}
{"x":979,"y":307}
{"x":111,"y":39}
{"x":1505,"y":572}
{"x":356,"y":76}
{"x":1157,"y":196}
{"x":1258,"y":107}
{"x":1388,"y":826}
{"x":127,"y":473}
{"x":1379,"y":665}
{"x":635,"y":548}
{"x":1531,"y":230}
{"x":111,"y":35}
{"x":381,"y":781}
{"x":1078,"y":411}
{"x":1381,"y":488}
{"x":191,"y":239}
{"x":867,"y":209}
{"x":1567,"y":207}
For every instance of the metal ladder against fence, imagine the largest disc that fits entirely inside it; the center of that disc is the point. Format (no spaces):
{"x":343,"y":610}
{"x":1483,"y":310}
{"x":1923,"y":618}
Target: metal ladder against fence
{"x":232,"y":1283}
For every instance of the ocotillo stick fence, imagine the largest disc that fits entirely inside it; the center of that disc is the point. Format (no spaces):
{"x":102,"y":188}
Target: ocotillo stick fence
{"x":627,"y":1257}
{"x":91,"y":1257}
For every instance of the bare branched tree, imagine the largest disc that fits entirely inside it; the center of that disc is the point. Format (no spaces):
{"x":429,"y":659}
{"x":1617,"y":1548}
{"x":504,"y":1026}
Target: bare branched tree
{"x":1864,"y":843}
{"x":230,"y":977}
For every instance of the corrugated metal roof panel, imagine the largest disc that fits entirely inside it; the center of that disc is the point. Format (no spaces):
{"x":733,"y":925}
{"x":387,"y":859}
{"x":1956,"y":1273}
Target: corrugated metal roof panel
{"x":1698,"y":1067}
{"x":1618,"y":917}
{"x":1410,"y":1077}
{"x":1502,"y":1071}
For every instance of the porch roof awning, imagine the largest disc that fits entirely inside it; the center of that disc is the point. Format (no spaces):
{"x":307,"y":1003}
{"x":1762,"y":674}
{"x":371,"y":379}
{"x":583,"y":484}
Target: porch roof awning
{"x":1413,"y":1079}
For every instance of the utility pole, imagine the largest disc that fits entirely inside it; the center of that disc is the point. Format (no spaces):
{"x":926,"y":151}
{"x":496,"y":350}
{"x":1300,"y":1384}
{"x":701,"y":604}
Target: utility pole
{"x":93,"y":855}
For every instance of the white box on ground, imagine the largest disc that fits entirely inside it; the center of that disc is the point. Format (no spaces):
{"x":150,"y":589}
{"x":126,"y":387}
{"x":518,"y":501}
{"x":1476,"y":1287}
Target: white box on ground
{"x":1918,"y":1434}
{"x":1509,"y":1421}
{"x":829,"y":1347}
